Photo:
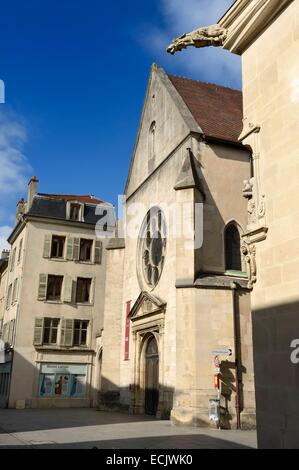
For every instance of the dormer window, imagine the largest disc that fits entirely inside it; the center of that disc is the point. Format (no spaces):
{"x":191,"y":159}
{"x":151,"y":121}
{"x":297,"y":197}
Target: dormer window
{"x":75,"y":211}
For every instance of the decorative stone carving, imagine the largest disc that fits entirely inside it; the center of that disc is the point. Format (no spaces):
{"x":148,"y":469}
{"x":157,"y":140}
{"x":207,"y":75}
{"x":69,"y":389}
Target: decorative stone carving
{"x":248,"y":193}
{"x":248,"y":188}
{"x":213,"y":35}
{"x":249,"y":253}
{"x":252,"y":191}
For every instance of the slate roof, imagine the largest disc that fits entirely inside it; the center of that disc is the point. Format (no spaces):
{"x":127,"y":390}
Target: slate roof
{"x":217,"y":110}
{"x":3,"y":263}
{"x":54,"y":206}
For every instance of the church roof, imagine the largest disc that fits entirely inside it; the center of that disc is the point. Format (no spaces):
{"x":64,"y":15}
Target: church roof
{"x":217,"y":110}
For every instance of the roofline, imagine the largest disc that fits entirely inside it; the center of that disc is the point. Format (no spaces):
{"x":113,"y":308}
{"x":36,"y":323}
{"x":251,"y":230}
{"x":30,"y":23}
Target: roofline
{"x":233,"y":5}
{"x":206,"y":83}
{"x":218,"y":140}
{"x":154,"y":67}
{"x":246,"y":20}
{"x":16,"y":230}
{"x":63,"y":197}
{"x":212,"y":140}
{"x":48,"y":220}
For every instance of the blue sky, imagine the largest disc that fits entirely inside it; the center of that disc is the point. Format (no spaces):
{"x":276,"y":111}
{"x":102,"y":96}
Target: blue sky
{"x":75,"y":74}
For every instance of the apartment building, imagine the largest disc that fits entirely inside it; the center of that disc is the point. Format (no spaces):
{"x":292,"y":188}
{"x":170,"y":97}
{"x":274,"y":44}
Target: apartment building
{"x":53,"y":315}
{"x":5,"y":355}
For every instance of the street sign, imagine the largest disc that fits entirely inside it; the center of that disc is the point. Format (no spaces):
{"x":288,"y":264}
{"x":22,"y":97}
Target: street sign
{"x":222,"y":352}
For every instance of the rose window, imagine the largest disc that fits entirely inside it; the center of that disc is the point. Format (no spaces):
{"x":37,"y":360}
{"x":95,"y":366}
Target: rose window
{"x":153,"y":246}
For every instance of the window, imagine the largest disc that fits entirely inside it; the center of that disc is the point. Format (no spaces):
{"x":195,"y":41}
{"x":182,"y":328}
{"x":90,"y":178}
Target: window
{"x":54,"y":287}
{"x":8,"y":332}
{"x":80,"y":332}
{"x":20,"y":251}
{"x":15,"y":292}
{"x":50,"y":330}
{"x":85,"y":249}
{"x":57,"y":247}
{"x":233,"y":260}
{"x":13,"y":259}
{"x":8,"y":298}
{"x":151,"y":146}
{"x":75,"y":212}
{"x":62,"y":380}
{"x":83,"y":290}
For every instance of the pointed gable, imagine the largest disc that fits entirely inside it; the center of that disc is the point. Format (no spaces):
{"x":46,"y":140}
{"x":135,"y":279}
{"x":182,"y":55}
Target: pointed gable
{"x":146,"y":304}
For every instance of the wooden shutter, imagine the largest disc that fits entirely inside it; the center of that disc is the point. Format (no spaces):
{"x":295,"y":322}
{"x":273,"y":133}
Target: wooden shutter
{"x":15,"y":290}
{"x":76,"y":251}
{"x":98,"y":249}
{"x":47,"y":246}
{"x":38,"y":332}
{"x":42,"y":287}
{"x":67,"y":332}
{"x":92,"y":291}
{"x":69,"y":248}
{"x":67,"y":288}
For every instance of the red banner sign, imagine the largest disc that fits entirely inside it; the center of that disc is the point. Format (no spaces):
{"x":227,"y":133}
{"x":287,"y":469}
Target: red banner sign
{"x":127,"y":330}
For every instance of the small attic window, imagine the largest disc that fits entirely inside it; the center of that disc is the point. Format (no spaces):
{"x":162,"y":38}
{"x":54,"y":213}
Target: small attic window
{"x":75,"y":211}
{"x":151,"y":146}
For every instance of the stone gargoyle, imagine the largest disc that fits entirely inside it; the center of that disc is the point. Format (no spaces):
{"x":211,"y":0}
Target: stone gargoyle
{"x":203,"y":37}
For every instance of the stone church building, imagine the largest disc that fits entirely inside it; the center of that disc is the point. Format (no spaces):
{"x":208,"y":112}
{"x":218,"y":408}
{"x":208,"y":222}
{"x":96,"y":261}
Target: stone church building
{"x":174,"y":306}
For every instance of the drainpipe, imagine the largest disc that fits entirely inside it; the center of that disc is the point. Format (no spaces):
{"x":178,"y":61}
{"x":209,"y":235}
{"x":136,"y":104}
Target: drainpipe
{"x":237,"y":358}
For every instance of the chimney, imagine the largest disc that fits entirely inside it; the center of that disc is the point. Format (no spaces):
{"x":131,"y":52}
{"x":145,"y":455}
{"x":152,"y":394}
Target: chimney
{"x":21,"y":207}
{"x":32,"y":190}
{"x":5,"y":254}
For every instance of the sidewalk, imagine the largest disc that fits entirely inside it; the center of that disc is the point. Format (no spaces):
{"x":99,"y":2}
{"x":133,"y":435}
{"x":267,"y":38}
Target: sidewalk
{"x":89,"y":428}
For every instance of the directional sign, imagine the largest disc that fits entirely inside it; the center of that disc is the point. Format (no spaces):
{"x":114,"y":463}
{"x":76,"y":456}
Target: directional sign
{"x":222,"y":352}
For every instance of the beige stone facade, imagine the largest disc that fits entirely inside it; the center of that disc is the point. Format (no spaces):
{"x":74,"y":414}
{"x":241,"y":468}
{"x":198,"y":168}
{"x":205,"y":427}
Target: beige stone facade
{"x":271,"y":100}
{"x":266,"y":34}
{"x":159,"y":336}
{"x":53,"y":315}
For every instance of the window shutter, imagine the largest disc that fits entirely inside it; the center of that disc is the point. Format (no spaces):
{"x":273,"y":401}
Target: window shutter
{"x":98,"y":249}
{"x":42,"y":288}
{"x":67,"y":288}
{"x":76,"y":252}
{"x":47,"y":246}
{"x":15,"y":290}
{"x":38,"y":332}
{"x":70,"y":248}
{"x":67,"y":332}
{"x":92,"y":291}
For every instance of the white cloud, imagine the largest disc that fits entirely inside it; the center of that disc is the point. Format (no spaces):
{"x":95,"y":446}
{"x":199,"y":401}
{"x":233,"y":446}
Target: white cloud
{"x":14,"y":169}
{"x":13,"y":163}
{"x":5,"y":230}
{"x":210,"y":64}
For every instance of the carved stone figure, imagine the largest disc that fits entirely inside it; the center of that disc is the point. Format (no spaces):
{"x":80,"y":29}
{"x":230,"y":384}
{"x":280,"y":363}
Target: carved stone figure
{"x":249,"y":253}
{"x":203,"y":37}
{"x":248,"y":188}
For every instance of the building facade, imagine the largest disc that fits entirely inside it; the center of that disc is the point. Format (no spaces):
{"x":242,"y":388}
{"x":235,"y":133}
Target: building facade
{"x":55,"y":287}
{"x":171,"y":301}
{"x":266,"y":35}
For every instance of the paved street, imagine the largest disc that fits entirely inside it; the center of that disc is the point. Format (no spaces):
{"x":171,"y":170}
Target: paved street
{"x":89,"y":428}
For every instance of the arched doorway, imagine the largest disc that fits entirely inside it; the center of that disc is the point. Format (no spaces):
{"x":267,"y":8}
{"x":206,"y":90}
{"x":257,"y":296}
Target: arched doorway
{"x":151,"y":377}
